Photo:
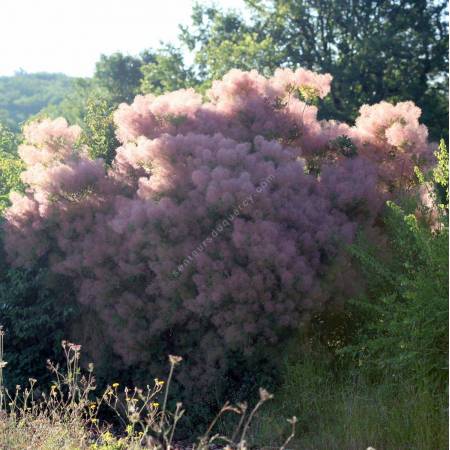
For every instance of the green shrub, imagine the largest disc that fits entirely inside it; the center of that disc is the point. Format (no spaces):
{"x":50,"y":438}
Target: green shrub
{"x":406,"y":309}
{"x":404,"y":313}
{"x":35,"y":318}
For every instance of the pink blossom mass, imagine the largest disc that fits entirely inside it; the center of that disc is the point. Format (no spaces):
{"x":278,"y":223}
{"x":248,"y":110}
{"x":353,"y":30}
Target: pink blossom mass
{"x":185,"y":163}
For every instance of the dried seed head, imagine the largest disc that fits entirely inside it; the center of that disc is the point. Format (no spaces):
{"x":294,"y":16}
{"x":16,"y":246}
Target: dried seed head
{"x":242,"y":406}
{"x":264,"y":394}
{"x":175,"y":359}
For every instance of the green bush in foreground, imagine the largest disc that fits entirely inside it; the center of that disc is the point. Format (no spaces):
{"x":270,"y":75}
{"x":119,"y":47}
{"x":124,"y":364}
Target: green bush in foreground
{"x":34,"y":321}
{"x":404,"y":314}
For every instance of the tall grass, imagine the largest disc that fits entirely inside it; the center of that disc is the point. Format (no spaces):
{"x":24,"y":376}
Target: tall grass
{"x":71,"y":414}
{"x":338,"y":408}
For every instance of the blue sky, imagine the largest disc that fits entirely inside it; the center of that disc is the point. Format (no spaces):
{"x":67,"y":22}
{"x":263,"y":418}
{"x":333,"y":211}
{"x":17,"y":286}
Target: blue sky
{"x":69,"y":35}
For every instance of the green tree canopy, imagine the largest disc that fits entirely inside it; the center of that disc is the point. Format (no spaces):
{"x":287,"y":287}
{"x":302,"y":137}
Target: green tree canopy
{"x":119,"y":75}
{"x":376,"y":50}
{"x":166,"y":72}
{"x":25,"y":94}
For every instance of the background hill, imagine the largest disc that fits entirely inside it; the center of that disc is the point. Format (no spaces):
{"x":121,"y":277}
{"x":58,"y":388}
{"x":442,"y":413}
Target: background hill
{"x":25,"y":94}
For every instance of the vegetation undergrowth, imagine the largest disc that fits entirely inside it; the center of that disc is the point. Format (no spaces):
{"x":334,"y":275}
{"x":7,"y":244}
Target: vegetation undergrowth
{"x":70,"y":414}
{"x":376,"y":372}
{"x":94,"y":207}
{"x":342,"y":409}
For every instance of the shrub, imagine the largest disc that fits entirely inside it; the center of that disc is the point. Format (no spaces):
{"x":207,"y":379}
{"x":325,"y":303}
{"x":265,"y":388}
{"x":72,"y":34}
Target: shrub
{"x":221,"y":222}
{"x":404,"y":313}
{"x":35,"y":318}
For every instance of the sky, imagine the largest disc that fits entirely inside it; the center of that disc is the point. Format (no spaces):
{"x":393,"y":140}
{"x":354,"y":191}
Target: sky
{"x":69,"y":36}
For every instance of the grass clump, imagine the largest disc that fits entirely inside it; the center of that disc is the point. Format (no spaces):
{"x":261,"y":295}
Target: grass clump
{"x":70,"y":415}
{"x":342,"y":409}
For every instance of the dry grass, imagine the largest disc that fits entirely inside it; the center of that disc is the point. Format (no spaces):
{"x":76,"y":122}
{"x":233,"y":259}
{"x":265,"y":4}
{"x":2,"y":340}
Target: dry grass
{"x":69,"y":414}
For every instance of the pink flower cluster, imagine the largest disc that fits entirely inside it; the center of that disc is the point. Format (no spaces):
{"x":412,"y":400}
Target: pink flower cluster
{"x":241,"y":106}
{"x":185,"y":165}
{"x":391,"y":136}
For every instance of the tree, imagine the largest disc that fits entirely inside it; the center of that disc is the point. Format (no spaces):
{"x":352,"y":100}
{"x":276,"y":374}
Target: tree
{"x":74,"y":104}
{"x":166,"y":72}
{"x":224,"y":41}
{"x":376,"y":50}
{"x":119,"y":76}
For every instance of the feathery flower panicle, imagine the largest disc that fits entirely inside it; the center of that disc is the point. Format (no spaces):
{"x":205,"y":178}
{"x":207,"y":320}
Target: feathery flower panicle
{"x":218,"y":221}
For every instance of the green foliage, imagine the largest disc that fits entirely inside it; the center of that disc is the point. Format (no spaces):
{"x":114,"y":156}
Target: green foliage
{"x":345,"y":146}
{"x":375,"y":51}
{"x":404,"y":328}
{"x":440,"y":172}
{"x":223,"y":41}
{"x":25,"y":94}
{"x":166,"y":72}
{"x":35,"y":317}
{"x":8,"y":140}
{"x":376,"y":372}
{"x":405,"y":313}
{"x":340,"y":409}
{"x":11,"y":166}
{"x":226,"y":42}
{"x":119,"y":76}
{"x":10,"y":170}
{"x":74,"y":104}
{"x":238,"y":50}
{"x":98,"y":130}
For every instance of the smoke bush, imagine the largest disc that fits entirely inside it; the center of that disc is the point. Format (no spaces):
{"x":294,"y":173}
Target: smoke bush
{"x":222,"y":222}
